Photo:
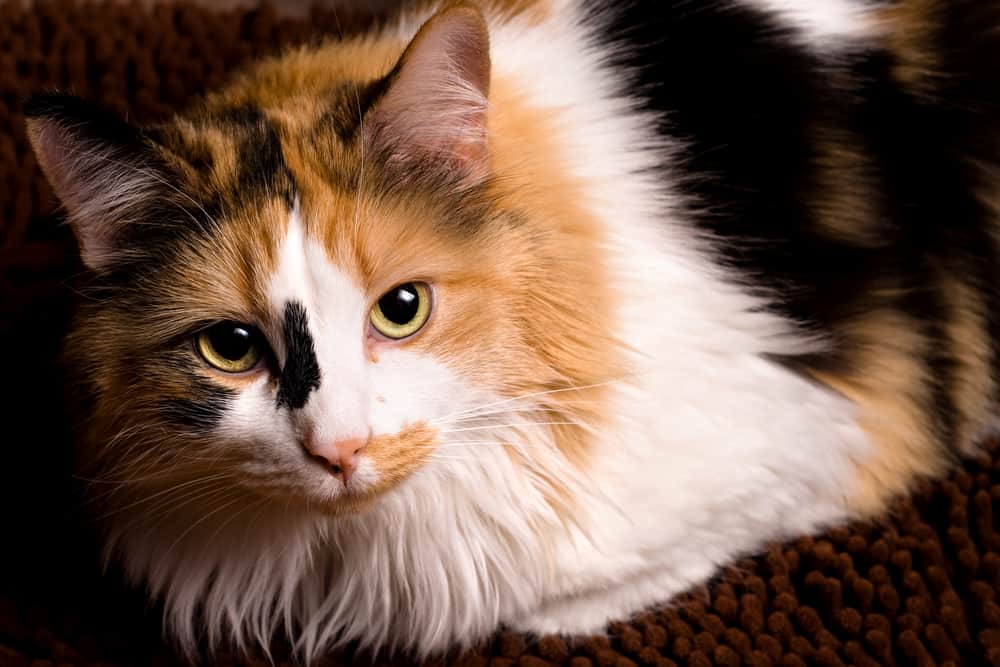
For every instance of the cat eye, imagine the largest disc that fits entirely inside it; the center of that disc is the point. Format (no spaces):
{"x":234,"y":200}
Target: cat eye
{"x":402,"y":311}
{"x":230,"y":347}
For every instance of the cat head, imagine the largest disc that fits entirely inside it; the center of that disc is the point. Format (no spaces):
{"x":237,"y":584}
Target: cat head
{"x":348,"y":268}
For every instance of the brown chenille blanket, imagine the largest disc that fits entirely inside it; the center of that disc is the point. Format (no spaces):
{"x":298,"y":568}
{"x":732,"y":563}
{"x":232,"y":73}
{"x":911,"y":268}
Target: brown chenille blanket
{"x":919,"y":588}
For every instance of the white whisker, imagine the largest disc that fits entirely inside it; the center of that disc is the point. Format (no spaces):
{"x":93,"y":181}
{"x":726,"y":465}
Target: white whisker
{"x":522,"y":397}
{"x":509,"y":426}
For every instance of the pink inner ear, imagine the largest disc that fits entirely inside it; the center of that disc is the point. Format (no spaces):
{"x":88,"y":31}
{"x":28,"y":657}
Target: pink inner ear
{"x":436,"y":103}
{"x":50,"y":143}
{"x":64,"y":160}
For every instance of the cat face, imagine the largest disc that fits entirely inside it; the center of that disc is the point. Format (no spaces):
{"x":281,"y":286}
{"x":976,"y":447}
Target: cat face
{"x":323,"y":338}
{"x":315,"y":286}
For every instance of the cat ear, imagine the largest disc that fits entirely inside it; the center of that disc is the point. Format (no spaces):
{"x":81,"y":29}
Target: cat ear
{"x":434,"y":107}
{"x":103,"y":170}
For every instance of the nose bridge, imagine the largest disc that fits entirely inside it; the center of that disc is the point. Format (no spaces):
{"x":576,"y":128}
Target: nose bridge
{"x":330,"y":386}
{"x":339,"y":411}
{"x":338,"y":422}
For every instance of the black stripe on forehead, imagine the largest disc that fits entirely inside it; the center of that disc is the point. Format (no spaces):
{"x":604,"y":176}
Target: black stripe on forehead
{"x":300,"y":374}
{"x":260,"y":162}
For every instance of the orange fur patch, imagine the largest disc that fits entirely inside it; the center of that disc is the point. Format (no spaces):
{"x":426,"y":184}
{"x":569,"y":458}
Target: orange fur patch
{"x":845,"y":192}
{"x":910,"y":28}
{"x":891,"y":390}
{"x":398,"y":456}
{"x":967,"y":331}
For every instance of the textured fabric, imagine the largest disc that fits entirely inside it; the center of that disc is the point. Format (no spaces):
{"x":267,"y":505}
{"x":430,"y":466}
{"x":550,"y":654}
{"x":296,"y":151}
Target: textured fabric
{"x":917,"y":589}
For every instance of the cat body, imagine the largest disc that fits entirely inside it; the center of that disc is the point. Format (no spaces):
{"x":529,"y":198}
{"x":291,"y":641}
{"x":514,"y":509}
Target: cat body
{"x":699,"y":276}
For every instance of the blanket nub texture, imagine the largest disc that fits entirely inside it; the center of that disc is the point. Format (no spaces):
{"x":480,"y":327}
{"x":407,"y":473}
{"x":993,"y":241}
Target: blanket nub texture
{"x":917,"y":589}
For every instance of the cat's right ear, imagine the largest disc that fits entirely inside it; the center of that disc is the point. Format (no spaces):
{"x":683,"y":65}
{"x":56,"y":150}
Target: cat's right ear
{"x":434,"y":109}
{"x":102,"y":169}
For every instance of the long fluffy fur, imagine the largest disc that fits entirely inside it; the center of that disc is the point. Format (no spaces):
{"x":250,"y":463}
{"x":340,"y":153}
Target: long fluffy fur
{"x":643,"y":405}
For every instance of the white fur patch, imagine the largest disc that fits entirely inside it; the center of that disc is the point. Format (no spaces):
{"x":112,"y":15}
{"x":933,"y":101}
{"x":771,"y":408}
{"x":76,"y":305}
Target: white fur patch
{"x":716,"y":451}
{"x":822,"y":24}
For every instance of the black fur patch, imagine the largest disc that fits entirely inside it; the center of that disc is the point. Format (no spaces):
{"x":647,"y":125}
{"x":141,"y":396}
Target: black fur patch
{"x":728,"y":83}
{"x":262,"y":168}
{"x":750,"y":105}
{"x":300,"y":374}
{"x":87,"y":121}
{"x":203,"y":410}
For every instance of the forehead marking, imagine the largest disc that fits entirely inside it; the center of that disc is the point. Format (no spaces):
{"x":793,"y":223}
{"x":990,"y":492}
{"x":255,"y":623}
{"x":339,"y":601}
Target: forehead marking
{"x":300,"y":375}
{"x":243,"y":147}
{"x":261,"y":161}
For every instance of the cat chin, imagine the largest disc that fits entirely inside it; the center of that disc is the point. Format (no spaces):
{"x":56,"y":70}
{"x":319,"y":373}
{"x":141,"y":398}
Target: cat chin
{"x":347,"y":503}
{"x":322,"y":501}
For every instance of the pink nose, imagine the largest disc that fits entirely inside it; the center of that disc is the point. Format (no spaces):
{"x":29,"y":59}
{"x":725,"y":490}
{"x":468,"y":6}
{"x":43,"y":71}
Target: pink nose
{"x":339,"y":457}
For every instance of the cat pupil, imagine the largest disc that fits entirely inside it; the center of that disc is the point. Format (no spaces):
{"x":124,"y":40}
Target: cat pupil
{"x":230,"y":340}
{"x":401,"y":304}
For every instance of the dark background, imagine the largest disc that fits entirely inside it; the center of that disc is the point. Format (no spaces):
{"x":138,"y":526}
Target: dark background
{"x":919,"y":589}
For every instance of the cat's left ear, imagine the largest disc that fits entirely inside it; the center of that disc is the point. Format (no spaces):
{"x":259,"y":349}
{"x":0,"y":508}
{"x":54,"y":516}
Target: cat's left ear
{"x":106,"y":173}
{"x":434,"y":108}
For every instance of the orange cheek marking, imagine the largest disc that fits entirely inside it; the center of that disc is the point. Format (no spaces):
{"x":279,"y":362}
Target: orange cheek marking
{"x":397,"y":456}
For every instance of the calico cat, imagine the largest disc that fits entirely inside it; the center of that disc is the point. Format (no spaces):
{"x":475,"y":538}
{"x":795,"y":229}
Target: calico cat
{"x":530,"y":313}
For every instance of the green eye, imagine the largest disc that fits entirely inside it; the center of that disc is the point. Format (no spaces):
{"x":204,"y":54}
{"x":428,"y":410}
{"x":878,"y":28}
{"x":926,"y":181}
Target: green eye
{"x":402,"y":311}
{"x":230,"y":346}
